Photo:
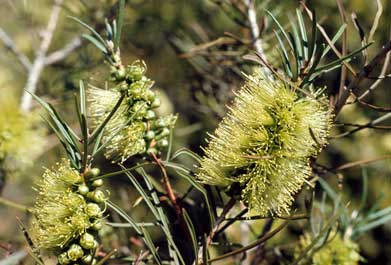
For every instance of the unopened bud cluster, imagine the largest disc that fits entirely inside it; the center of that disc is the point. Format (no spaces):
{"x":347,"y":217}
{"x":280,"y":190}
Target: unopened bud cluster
{"x":135,"y":127}
{"x":68,"y":214}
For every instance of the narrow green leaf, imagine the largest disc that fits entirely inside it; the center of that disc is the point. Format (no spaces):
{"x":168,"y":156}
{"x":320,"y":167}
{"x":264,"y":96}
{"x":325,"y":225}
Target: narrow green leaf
{"x":337,"y":35}
{"x":281,"y":29}
{"x":284,"y":52}
{"x":165,"y":224}
{"x":185,"y":173}
{"x":151,"y":246}
{"x":121,"y":10}
{"x":381,"y":221}
{"x":312,"y":43}
{"x":340,"y":60}
{"x":185,"y":151}
{"x":82,"y":92}
{"x":140,"y":190}
{"x":126,"y":217}
{"x":116,"y":173}
{"x":329,"y":190}
{"x":94,"y":41}
{"x":303,"y":32}
{"x":192,"y":233}
{"x":93,"y":31}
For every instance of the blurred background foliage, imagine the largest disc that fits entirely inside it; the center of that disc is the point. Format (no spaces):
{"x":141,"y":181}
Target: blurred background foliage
{"x":194,"y":51}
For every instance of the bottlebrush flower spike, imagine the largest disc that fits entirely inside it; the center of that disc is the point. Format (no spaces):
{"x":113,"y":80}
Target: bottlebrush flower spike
{"x":66,"y":212}
{"x":337,"y":250}
{"x":135,"y":127}
{"x":20,"y":136}
{"x":264,"y":143}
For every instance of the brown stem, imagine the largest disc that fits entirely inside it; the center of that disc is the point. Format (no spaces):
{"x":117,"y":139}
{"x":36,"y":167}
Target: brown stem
{"x":167,"y":185}
{"x":252,"y":245}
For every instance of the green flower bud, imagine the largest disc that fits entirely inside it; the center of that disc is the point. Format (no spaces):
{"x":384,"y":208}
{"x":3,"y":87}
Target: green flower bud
{"x":136,"y":90}
{"x":98,"y":196}
{"x":118,"y":74}
{"x":152,"y":150}
{"x":87,"y":259}
{"x":150,"y":95}
{"x":139,"y":109}
{"x":63,"y":258}
{"x":150,"y":135}
{"x":164,"y":132}
{"x":97,"y":183}
{"x":87,"y":241}
{"x":93,"y":172}
{"x":150,"y":115}
{"x":156,"y":103}
{"x":97,"y":225}
{"x":136,"y":70}
{"x":163,"y":143}
{"x":83,"y":189}
{"x":75,"y":252}
{"x":93,"y":210}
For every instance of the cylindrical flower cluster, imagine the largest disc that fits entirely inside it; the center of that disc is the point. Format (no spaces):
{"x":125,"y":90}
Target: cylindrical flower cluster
{"x":135,"y":127}
{"x":337,"y":250}
{"x":68,"y":214}
{"x":20,"y":136}
{"x":261,"y":149}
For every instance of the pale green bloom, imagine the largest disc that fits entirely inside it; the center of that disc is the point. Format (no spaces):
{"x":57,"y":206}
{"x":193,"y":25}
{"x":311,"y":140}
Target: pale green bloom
{"x":65,"y":214}
{"x":21,"y":135}
{"x":134,"y":128}
{"x":337,"y":251}
{"x":264,"y":143}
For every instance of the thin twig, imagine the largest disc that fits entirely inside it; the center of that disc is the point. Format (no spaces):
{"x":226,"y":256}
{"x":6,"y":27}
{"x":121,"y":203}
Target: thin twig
{"x":10,"y":45}
{"x":252,"y":245}
{"x":15,"y":205}
{"x":39,"y":62}
{"x":376,"y":20}
{"x":64,"y":52}
{"x":216,"y":227}
{"x":365,"y":71}
{"x":342,"y":81}
{"x":329,"y":42}
{"x":255,"y":32}
{"x":364,"y":126}
{"x":361,"y":162}
{"x":382,"y":73}
{"x":167,"y":185}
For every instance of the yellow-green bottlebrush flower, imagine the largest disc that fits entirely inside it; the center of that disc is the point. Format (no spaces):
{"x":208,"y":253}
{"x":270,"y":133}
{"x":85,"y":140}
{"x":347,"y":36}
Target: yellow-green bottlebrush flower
{"x":66,"y":211}
{"x":20,"y":135}
{"x":264,"y":143}
{"x":336,"y":251}
{"x":135,"y":127}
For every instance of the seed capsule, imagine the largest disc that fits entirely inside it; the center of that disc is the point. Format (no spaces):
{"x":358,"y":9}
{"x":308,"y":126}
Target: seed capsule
{"x":75,"y":252}
{"x":87,"y":241}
